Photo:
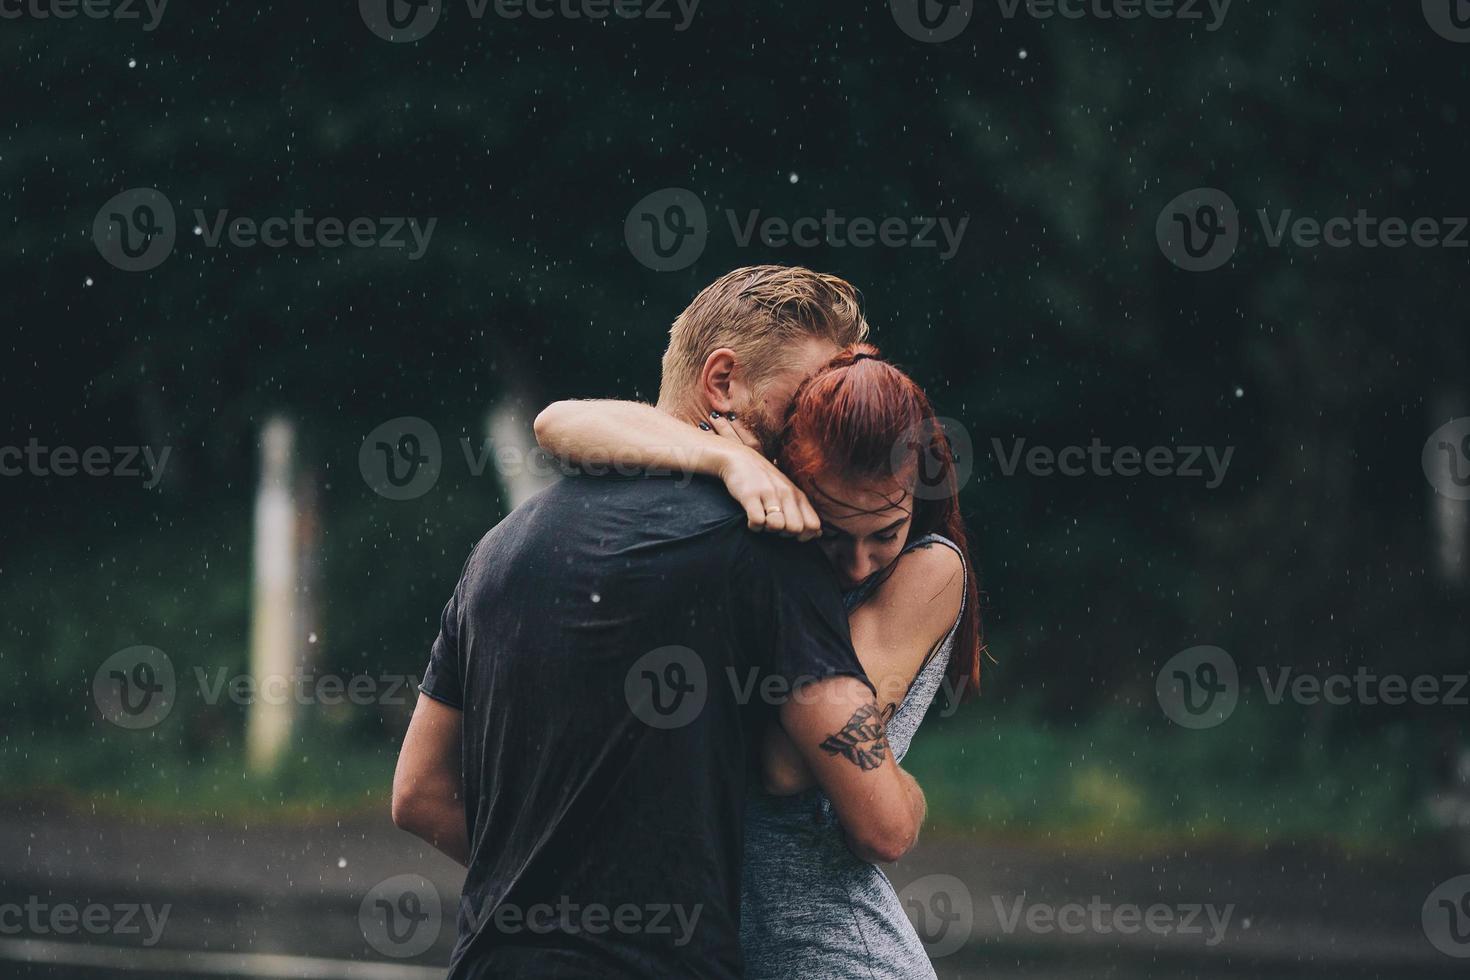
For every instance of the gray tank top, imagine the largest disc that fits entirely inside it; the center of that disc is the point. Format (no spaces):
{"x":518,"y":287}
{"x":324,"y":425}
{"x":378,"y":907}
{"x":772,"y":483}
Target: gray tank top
{"x":809,"y":908}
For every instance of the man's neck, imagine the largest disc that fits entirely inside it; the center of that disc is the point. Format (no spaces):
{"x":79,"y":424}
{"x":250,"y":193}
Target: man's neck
{"x":688,"y":414}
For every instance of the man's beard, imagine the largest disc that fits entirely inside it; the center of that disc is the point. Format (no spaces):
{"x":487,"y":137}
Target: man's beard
{"x":764,"y":428}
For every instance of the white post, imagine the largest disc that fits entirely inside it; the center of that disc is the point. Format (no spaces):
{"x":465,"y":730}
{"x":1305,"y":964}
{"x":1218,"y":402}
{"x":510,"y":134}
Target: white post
{"x":1450,"y":517}
{"x":273,"y":601}
{"x":513,"y":445}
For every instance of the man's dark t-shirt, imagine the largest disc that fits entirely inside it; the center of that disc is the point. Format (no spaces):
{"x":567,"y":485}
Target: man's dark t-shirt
{"x":607,"y":643}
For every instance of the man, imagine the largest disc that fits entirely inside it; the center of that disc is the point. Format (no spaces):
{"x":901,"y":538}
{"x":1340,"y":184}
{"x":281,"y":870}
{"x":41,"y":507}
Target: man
{"x":595,"y":694}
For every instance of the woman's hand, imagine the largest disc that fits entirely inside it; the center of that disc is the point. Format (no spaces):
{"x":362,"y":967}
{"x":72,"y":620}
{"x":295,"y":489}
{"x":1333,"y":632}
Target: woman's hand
{"x":771,"y":501}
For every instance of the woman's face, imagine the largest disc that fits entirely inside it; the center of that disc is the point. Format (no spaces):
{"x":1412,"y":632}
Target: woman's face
{"x":865,"y":522}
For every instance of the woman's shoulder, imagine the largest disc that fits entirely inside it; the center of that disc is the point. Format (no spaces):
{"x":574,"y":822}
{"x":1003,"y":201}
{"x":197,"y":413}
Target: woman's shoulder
{"x":935,"y":560}
{"x":926,"y":589}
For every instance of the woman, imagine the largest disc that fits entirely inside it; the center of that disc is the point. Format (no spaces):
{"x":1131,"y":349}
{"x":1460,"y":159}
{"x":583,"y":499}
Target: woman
{"x":859,"y":439}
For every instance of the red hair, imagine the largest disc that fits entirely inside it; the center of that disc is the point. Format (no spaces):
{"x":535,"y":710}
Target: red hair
{"x":863,"y":419}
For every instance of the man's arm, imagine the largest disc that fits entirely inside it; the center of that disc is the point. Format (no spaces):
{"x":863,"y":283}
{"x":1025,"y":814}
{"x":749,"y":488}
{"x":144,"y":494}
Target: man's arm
{"x":838,"y":730}
{"x":426,"y":785}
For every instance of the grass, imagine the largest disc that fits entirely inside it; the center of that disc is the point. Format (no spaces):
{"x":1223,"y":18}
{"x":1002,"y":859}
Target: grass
{"x":1115,"y":780}
{"x":1121,"y":778}
{"x":146,"y":774}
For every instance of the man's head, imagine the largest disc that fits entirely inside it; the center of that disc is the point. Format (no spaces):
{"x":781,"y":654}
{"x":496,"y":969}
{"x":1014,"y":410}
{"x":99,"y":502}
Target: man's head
{"x":750,"y":337}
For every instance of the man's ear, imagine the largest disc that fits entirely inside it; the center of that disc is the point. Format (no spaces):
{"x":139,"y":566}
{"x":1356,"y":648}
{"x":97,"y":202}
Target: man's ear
{"x":720,"y":387}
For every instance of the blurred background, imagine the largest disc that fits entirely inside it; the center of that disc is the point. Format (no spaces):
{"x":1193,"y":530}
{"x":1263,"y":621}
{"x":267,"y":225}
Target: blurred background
{"x":1187,"y":280}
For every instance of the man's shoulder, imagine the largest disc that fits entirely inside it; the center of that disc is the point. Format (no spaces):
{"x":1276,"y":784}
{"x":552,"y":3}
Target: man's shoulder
{"x":678,"y":506}
{"x":784,"y":558}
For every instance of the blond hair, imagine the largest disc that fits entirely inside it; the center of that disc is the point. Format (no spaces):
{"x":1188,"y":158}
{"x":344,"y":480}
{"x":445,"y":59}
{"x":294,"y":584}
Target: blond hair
{"x":759,"y":312}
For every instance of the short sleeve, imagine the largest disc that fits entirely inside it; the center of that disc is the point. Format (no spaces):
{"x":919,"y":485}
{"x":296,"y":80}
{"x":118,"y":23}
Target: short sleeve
{"x":442,"y":680}
{"x":805,"y":617}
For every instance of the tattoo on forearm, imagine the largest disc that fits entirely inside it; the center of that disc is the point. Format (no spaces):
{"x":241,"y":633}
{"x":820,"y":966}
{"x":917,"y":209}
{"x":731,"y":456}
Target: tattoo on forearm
{"x":863,"y":741}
